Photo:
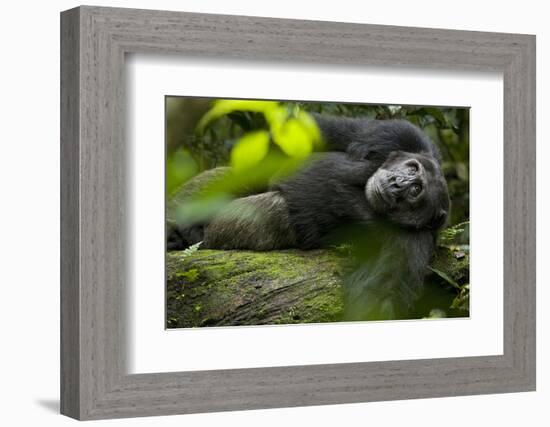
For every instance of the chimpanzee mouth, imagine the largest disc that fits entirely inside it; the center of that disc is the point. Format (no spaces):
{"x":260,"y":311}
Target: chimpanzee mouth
{"x":381,"y":198}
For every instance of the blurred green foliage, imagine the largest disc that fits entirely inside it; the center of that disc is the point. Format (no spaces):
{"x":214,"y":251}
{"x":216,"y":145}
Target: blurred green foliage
{"x":262,"y":139}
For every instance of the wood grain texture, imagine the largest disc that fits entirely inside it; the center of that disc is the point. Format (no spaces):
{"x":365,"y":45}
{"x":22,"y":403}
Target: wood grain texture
{"x":70,"y":291}
{"x":94,"y":240}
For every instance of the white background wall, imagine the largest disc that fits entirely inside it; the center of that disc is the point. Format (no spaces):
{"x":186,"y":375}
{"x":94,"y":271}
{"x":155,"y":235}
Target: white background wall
{"x":29,"y":215}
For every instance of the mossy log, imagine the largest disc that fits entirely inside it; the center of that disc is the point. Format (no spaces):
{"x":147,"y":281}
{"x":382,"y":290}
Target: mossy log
{"x":217,"y":288}
{"x":222,"y":288}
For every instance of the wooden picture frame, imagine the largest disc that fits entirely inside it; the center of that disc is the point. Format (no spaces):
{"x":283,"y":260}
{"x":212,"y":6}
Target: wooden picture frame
{"x":94,"y":382}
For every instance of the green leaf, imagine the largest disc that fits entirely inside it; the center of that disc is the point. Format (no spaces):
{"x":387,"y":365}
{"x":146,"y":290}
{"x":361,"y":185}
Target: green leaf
{"x":226,"y":106}
{"x":448,"y":235}
{"x":462,"y":171}
{"x":462,"y":300}
{"x":276,"y":117}
{"x":310,"y":126}
{"x":438,"y":115}
{"x":250,"y":150}
{"x":394,"y":109}
{"x":294,"y":139}
{"x":445,"y":277}
{"x":191,"y":250}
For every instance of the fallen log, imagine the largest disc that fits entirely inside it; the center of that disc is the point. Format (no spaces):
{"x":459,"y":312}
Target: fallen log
{"x":223,"y":288}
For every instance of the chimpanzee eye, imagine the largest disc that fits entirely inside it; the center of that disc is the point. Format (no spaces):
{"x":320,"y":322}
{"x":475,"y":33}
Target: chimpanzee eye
{"x":415,"y":190}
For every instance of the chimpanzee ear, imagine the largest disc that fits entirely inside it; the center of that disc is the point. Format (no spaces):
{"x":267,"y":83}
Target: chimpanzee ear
{"x":439,"y":219}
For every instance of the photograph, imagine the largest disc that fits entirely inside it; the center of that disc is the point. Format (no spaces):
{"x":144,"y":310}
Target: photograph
{"x":283,"y":212}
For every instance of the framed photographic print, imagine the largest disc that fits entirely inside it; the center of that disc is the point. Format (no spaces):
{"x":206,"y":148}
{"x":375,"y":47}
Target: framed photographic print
{"x":262,"y":213}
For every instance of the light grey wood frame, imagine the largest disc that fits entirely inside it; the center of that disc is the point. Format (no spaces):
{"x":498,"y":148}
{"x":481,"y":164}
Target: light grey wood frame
{"x":94,"y":41}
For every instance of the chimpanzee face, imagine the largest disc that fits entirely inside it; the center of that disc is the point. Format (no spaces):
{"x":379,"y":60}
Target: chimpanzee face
{"x":409,"y":190}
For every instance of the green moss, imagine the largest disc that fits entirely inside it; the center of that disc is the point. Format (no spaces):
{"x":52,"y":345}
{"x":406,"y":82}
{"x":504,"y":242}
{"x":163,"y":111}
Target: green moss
{"x":190,"y":275}
{"x":226,"y":282}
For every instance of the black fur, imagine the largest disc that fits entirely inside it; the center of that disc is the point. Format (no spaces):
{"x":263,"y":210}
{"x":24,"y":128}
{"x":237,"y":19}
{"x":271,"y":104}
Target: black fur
{"x":374,"y":139}
{"x":325,"y":195}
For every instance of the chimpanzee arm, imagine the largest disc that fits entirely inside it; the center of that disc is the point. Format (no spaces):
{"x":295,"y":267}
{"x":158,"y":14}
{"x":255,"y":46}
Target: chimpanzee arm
{"x":374,"y":140}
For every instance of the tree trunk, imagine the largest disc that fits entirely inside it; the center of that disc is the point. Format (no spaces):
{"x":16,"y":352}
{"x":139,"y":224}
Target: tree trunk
{"x":222,"y":288}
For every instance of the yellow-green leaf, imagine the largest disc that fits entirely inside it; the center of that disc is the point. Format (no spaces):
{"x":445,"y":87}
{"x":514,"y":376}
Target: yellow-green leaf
{"x":276,"y":118}
{"x":310,"y":125}
{"x":250,"y":150}
{"x":294,"y":139}
{"x":226,"y":106}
